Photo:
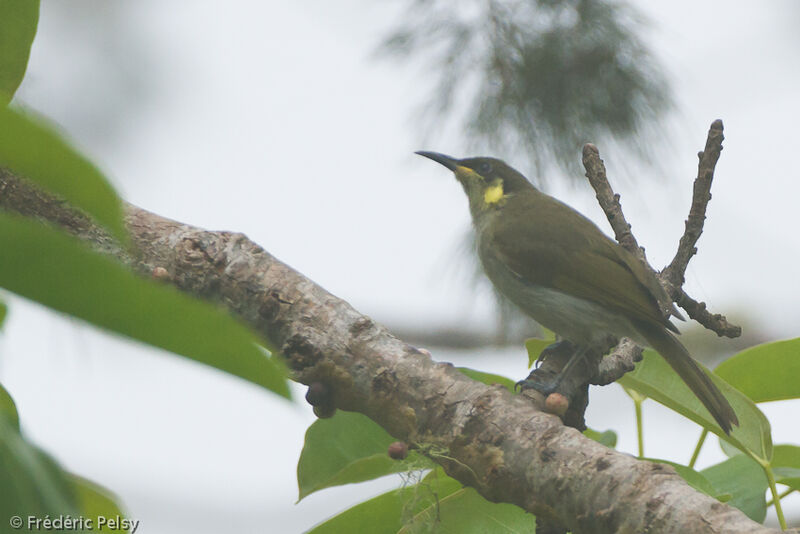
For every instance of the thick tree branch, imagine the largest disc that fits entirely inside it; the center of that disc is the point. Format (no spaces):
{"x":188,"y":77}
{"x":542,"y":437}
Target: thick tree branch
{"x":497,"y":442}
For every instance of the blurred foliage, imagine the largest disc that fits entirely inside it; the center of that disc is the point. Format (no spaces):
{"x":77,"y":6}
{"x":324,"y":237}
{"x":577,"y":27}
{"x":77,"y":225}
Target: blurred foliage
{"x":55,"y":269}
{"x":531,"y":81}
{"x":18,"y":21}
{"x":48,"y":266}
{"x":34,"y":484}
{"x":537,"y":77}
{"x":33,"y":148}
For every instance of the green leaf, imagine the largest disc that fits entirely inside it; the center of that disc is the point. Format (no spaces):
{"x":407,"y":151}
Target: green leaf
{"x":786,"y":464}
{"x":607,"y":438}
{"x":654,"y":378}
{"x":535,"y":346}
{"x":18,"y":21}
{"x":744,"y":479}
{"x":765,"y":372}
{"x":347,"y":448}
{"x":380,"y":515}
{"x":466,"y":512}
{"x":786,"y":456}
{"x":31,"y":483}
{"x":54,"y":269}
{"x":788,"y":476}
{"x":436,"y":504}
{"x":692,"y":477}
{"x":8,"y":409}
{"x":488,"y":378}
{"x":35,"y":151}
{"x":3,"y":312}
{"x":94,"y":500}
{"x":729,"y":449}
{"x":387,"y":513}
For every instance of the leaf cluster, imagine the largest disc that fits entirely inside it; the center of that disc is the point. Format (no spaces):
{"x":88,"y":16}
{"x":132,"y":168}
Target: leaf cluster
{"x":51,"y":267}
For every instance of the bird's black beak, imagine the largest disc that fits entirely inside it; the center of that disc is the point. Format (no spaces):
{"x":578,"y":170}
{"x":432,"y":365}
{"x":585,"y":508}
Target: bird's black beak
{"x":447,"y":161}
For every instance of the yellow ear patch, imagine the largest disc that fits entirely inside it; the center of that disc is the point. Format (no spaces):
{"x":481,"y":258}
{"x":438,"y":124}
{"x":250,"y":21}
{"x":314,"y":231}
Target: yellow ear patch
{"x":494,"y":193}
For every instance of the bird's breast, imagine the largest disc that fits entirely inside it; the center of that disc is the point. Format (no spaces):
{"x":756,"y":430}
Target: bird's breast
{"x":579,"y":320}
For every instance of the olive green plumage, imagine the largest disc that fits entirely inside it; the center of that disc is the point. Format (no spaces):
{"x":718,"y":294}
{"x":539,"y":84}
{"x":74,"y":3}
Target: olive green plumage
{"x":560,"y":269}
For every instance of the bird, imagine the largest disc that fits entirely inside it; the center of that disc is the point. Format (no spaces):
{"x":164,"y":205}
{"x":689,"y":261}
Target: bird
{"x":559,"y":268}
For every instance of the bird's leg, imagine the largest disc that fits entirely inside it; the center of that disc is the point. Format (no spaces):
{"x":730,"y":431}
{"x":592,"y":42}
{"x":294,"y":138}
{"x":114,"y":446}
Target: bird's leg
{"x":555,"y":349}
{"x":576,"y":357}
{"x":549,"y":386}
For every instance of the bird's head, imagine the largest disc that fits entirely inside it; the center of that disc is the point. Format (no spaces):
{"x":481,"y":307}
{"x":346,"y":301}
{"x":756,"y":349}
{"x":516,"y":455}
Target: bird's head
{"x":488,"y":182}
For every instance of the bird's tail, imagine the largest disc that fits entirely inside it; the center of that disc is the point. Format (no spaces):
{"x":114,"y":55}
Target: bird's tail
{"x":690,"y":372}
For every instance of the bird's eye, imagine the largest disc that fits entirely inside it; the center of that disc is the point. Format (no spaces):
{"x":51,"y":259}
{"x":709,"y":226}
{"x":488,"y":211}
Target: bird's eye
{"x":485,"y":168}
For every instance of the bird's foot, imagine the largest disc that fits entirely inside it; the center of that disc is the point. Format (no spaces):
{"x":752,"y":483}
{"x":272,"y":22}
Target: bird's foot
{"x":535,"y":381}
{"x":554,"y":401}
{"x":547,"y":381}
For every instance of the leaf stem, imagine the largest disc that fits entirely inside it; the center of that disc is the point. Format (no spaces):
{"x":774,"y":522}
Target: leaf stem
{"x":776,"y":500}
{"x":786,"y":492}
{"x":697,"y":448}
{"x":637,"y":403}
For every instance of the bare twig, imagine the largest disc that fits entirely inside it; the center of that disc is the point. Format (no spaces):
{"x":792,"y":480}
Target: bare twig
{"x":715,"y":322}
{"x":673,"y":275}
{"x":674,"y":272}
{"x":626,"y":353}
{"x":609,"y":201}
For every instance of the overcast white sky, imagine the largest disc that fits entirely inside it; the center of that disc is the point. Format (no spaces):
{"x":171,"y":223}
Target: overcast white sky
{"x":273,"y":119}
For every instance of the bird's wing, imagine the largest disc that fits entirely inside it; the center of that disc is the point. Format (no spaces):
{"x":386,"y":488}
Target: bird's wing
{"x":565,"y":251}
{"x":606,"y":281}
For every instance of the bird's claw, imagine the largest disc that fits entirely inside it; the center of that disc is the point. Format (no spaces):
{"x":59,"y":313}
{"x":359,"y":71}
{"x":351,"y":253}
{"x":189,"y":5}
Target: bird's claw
{"x":543,"y":387}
